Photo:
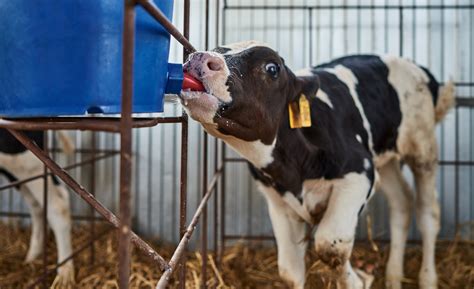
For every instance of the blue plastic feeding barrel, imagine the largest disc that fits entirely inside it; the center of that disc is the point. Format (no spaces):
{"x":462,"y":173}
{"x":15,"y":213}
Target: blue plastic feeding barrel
{"x":65,"y":58}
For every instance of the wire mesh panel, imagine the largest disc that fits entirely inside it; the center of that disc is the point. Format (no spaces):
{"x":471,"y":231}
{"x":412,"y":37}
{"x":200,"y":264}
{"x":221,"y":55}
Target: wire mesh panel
{"x":435,"y":34}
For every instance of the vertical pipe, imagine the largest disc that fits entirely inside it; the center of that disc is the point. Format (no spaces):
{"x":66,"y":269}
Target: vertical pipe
{"x":310,"y":36}
{"x":216,"y":150}
{"x":184,"y":161}
{"x":45,"y":213}
{"x":400,"y":20}
{"x":92,"y":191}
{"x":204,"y":174}
{"x":183,"y":194}
{"x":150,"y":181}
{"x":126,"y":143}
{"x":222,"y":215}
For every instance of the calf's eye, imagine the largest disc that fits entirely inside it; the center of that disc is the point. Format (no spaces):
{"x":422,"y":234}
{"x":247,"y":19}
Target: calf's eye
{"x":272,"y":69}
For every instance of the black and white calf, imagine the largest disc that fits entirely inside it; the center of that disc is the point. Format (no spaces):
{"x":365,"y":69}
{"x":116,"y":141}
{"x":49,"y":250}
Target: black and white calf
{"x":368,"y":113}
{"x":17,"y":163}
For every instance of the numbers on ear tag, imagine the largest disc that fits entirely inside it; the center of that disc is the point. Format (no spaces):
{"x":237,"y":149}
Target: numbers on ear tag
{"x":294,"y":115}
{"x":305,"y":111}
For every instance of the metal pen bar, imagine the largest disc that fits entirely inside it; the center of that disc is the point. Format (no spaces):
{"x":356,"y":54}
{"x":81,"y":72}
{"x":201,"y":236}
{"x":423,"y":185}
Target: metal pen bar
{"x":27,"y":216}
{"x":76,"y":165}
{"x":184,"y":159}
{"x":45,"y":213}
{"x":178,"y":253}
{"x":124,"y":235}
{"x":347,"y":7}
{"x":86,"y":196}
{"x":156,"y":13}
{"x":106,"y":124}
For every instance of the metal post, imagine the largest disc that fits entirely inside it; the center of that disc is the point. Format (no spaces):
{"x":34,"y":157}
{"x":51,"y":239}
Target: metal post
{"x":92,"y":183}
{"x":45,"y":214}
{"x":126,"y":144}
{"x":184,"y":161}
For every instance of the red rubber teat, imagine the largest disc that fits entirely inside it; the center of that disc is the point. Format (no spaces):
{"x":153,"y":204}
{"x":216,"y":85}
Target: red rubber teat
{"x":189,"y":82}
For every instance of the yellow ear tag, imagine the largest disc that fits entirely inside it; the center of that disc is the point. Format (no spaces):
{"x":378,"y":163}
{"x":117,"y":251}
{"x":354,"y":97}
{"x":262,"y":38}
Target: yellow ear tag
{"x":300,"y":113}
{"x":305,"y":111}
{"x":294,"y":115}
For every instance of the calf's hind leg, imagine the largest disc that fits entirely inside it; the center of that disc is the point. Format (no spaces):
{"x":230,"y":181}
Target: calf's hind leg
{"x":37,"y":225}
{"x":427,"y":219}
{"x":400,"y":198}
{"x":59,"y":218}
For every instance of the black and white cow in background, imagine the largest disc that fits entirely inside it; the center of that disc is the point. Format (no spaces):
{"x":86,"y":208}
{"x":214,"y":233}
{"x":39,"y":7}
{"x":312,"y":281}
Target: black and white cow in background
{"x":17,"y":163}
{"x":368,"y":113}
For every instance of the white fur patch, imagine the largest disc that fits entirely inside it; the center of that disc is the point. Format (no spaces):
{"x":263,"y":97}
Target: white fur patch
{"x":256,"y":152}
{"x":358,"y":138}
{"x":367,"y":164}
{"x":415,"y":133}
{"x":238,"y":47}
{"x":345,"y":75}
{"x":324,"y":98}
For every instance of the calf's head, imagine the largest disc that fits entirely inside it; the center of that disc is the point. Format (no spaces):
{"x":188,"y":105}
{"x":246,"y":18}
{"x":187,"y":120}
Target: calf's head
{"x":248,"y":88}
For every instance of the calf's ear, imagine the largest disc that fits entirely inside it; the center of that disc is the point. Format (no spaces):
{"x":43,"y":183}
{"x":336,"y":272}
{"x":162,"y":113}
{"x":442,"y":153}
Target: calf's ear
{"x":307,"y":85}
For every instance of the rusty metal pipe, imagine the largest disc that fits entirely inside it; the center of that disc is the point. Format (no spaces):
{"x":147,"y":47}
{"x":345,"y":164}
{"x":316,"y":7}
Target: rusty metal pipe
{"x":124,"y":235}
{"x":73,"y":166}
{"x":178,"y":253}
{"x":107,"y":124}
{"x":156,"y":13}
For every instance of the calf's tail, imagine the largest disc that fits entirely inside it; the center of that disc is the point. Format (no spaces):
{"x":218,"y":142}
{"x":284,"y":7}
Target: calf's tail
{"x":66,"y":142}
{"x":446,"y":100}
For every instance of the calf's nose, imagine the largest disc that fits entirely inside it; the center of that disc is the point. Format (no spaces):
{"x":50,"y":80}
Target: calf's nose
{"x":205,"y":64}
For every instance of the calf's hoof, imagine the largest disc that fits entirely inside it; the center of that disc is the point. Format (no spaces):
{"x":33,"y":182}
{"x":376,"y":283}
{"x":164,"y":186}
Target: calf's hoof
{"x":65,"y":277}
{"x":428,"y":279}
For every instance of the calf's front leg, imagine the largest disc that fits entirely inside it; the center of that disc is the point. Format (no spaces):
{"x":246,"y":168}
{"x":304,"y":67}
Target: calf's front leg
{"x":334,"y":237}
{"x":289,"y":232}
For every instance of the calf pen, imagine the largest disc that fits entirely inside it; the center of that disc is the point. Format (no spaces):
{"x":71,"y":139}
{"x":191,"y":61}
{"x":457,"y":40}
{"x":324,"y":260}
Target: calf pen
{"x":438,"y":35}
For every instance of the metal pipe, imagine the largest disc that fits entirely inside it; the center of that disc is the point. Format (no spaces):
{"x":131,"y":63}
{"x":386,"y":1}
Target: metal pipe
{"x":348,"y":7}
{"x":124,"y":253}
{"x":76,"y":165}
{"x":183,"y":195}
{"x":86,"y":196}
{"x":156,"y":13}
{"x":92,"y":183}
{"x":106,"y":124}
{"x":27,"y":216}
{"x":45,"y":213}
{"x":178,"y":253}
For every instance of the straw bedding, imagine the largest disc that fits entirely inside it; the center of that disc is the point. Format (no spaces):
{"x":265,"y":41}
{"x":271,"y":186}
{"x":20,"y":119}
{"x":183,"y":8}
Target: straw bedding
{"x":244,"y":266}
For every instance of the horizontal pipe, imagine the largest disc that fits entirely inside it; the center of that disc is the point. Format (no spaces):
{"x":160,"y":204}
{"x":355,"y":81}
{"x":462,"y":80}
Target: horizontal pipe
{"x":76,"y":165}
{"x":235,"y":160}
{"x":178,"y":253}
{"x":107,"y":124}
{"x":347,"y":7}
{"x":156,"y":13}
{"x":27,"y":215}
{"x":248,"y":237}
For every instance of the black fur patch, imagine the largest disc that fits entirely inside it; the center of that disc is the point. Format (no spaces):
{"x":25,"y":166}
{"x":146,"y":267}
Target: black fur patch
{"x":10,"y":145}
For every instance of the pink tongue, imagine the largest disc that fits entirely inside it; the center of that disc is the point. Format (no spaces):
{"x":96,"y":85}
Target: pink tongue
{"x":192,"y":83}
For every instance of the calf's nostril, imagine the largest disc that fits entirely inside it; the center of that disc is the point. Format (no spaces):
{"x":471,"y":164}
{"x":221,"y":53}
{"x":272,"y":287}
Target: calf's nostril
{"x":214,"y":65}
